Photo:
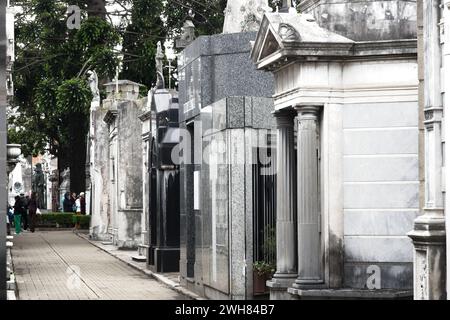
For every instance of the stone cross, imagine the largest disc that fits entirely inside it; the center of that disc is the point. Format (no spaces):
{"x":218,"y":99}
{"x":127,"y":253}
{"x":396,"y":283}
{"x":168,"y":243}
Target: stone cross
{"x":244,"y":15}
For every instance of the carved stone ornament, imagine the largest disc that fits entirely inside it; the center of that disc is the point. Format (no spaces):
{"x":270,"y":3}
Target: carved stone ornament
{"x":288,"y":33}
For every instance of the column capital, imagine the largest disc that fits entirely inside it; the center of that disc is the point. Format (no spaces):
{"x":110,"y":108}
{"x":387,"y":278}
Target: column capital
{"x":308,"y":110}
{"x":284,"y":117}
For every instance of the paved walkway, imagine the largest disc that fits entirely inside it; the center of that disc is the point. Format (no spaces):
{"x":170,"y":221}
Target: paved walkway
{"x":59,"y":265}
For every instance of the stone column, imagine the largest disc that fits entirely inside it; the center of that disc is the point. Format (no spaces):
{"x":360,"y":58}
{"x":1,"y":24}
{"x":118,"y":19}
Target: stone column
{"x":429,"y":229}
{"x":286,"y":256}
{"x":308,"y":209}
{"x":446,"y":72}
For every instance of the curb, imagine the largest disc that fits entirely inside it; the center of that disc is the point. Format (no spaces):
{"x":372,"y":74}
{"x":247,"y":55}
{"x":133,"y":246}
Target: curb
{"x":158,"y":277}
{"x":12,"y":290}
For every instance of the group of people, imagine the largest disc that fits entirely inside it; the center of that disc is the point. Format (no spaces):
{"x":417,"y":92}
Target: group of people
{"x":74,"y":203}
{"x":23,"y":214}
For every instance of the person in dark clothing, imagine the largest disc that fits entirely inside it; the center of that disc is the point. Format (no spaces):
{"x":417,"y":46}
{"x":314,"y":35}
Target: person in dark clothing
{"x":73,"y":199}
{"x":24,"y":211}
{"x":18,"y":214}
{"x":10,"y":216}
{"x":32,"y":209}
{"x":67,"y":203}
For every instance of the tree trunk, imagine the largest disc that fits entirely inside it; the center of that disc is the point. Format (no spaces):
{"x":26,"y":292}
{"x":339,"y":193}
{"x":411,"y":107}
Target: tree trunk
{"x":78,"y":131}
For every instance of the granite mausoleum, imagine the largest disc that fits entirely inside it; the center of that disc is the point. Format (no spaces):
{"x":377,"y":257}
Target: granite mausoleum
{"x":227,"y":206}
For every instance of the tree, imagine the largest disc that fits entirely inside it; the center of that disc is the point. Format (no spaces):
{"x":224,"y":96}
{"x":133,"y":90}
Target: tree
{"x":140,"y":37}
{"x":52,"y":96}
{"x":208,"y":15}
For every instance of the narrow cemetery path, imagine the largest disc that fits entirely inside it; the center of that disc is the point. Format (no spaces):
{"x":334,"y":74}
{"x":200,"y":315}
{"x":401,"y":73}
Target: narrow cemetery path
{"x":59,"y":265}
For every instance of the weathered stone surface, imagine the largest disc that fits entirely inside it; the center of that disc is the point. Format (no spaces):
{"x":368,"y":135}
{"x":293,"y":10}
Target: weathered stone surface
{"x":244,"y":15}
{"x":369,"y":20}
{"x":116,"y":165}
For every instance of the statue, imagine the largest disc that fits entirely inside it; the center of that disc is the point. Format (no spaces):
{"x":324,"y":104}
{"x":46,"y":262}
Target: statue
{"x":188,"y":34}
{"x":160,"y":83}
{"x":93,"y":84}
{"x":244,"y":15}
{"x":39,"y":186}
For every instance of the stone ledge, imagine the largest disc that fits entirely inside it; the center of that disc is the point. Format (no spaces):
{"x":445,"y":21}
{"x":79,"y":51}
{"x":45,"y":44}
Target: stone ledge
{"x":352,"y":294}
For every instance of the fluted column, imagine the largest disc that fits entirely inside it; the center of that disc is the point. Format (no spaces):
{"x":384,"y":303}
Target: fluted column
{"x":286,"y":224}
{"x":308,"y":209}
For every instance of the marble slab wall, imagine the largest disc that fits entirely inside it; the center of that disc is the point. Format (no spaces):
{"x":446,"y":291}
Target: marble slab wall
{"x":381,"y":191}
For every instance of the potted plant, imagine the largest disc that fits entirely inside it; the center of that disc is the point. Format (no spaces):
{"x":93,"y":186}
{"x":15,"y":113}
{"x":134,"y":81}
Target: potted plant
{"x":262,"y":271}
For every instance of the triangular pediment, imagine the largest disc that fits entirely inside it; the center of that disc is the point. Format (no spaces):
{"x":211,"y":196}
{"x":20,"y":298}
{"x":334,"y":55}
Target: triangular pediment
{"x":271,"y":45}
{"x":267,"y":41}
{"x":284,"y":37}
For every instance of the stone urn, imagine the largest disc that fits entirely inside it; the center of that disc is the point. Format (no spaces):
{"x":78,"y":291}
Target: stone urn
{"x":13,"y":151}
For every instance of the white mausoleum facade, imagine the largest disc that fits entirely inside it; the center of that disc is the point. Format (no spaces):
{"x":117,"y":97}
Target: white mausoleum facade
{"x":348,"y":189}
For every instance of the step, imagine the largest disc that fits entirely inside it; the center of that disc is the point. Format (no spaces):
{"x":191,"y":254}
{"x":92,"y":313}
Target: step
{"x":9,"y":244}
{"x":139,"y":258}
{"x":11,"y":295}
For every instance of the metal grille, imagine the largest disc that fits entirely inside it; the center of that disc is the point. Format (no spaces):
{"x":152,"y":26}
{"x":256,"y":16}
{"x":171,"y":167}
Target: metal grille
{"x":264,"y":209}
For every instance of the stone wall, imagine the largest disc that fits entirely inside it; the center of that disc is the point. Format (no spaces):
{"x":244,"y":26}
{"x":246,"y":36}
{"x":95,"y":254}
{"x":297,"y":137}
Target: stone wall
{"x":99,"y":173}
{"x":129,"y":173}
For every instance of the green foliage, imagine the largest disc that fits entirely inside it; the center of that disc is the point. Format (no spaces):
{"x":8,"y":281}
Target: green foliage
{"x":62,"y":220}
{"x":73,"y":96}
{"x":270,"y":243}
{"x":140,"y":38}
{"x":263,"y":268}
{"x":52,"y":97}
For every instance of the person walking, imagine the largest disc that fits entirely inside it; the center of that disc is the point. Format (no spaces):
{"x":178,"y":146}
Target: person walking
{"x":18,"y":214}
{"x":32,"y":210}
{"x":24,"y":211}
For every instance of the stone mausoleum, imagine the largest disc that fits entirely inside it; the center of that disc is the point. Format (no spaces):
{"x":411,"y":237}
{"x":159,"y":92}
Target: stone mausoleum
{"x":116,"y":165}
{"x":227,"y":205}
{"x":346,"y":76}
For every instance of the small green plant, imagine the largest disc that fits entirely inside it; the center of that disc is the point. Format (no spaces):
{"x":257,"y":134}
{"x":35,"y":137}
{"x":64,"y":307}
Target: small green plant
{"x":263,"y":268}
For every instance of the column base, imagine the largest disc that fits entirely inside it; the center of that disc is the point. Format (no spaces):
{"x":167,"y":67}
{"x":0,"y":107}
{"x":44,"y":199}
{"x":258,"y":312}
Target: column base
{"x":429,"y":240}
{"x":305,"y":284}
{"x":279,"y":285}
